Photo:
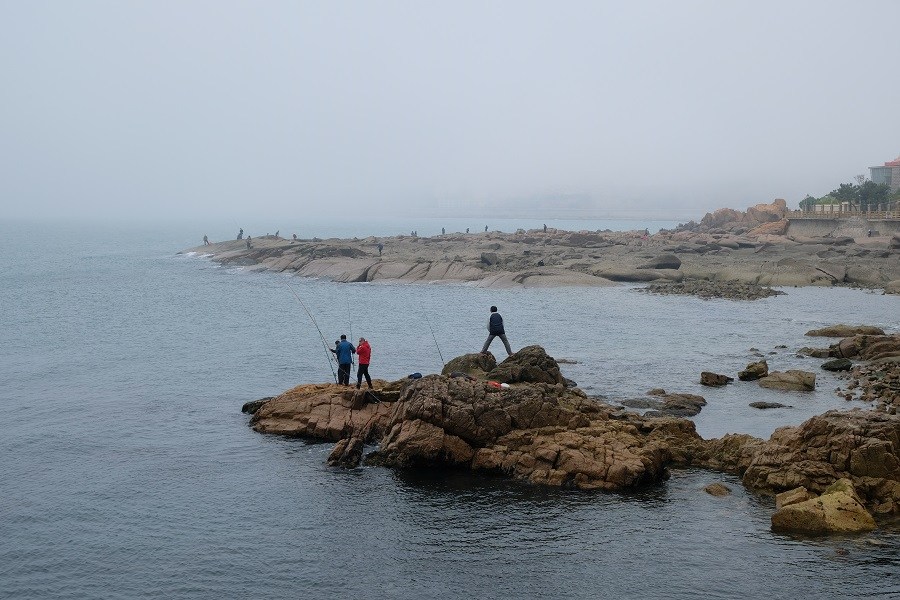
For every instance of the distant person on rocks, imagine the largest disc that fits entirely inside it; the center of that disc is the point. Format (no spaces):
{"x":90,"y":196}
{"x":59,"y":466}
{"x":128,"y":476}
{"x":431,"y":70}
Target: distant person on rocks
{"x":344,"y":351}
{"x":869,"y":233}
{"x":277,"y":231}
{"x":364,"y":352}
{"x":205,"y":241}
{"x":249,"y":245}
{"x":467,"y":230}
{"x":495,"y":329}
{"x":443,"y":231}
{"x":485,"y":228}
{"x":241,"y":234}
{"x":380,"y":248}
{"x":545,"y":228}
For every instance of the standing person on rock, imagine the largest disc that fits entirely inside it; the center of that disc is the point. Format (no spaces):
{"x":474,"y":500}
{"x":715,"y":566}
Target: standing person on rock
{"x":495,"y":329}
{"x":364,"y":352}
{"x":345,"y":352}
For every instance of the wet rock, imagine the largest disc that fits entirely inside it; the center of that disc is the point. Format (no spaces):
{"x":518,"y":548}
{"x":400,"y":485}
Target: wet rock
{"x":764,"y":405}
{"x":642,"y":403}
{"x":254,"y":405}
{"x":837,"y":510}
{"x":846,"y":331}
{"x":814,"y":352}
{"x":347,"y":453}
{"x":714,"y":379}
{"x":717,"y":489}
{"x":793,"y":380}
{"x":730,"y":290}
{"x":678,"y":405}
{"x":838,"y":364}
{"x":754,"y":371}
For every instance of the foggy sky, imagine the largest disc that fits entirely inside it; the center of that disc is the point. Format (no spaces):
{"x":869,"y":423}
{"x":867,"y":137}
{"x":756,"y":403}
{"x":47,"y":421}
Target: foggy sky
{"x":672,"y":109}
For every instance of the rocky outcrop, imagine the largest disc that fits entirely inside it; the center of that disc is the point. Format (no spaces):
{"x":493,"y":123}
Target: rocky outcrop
{"x":731,"y":290}
{"x":862,"y":446}
{"x":793,"y":380}
{"x":868,"y":347}
{"x":837,"y":510}
{"x":843,"y":331}
{"x":838,"y":364}
{"x":548,"y":434}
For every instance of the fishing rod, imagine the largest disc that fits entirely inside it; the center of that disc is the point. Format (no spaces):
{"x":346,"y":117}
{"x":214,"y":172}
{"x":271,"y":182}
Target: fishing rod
{"x":434,"y":337}
{"x":324,"y":343}
{"x":350,"y":319}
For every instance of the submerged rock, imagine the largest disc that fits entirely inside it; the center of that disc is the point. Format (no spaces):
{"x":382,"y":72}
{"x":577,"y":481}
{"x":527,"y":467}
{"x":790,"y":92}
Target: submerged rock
{"x":717,"y":489}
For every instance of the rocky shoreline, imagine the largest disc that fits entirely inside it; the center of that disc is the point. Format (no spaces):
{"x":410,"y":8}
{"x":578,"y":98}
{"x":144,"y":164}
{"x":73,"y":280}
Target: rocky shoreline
{"x":729,"y":254}
{"x":833,"y":473}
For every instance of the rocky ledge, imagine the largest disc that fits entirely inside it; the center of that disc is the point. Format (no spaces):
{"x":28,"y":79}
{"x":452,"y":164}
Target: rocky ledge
{"x":729,"y":254}
{"x":539,"y":430}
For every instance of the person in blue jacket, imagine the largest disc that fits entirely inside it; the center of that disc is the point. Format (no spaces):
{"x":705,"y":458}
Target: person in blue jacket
{"x":344,"y":351}
{"x":495,"y":329}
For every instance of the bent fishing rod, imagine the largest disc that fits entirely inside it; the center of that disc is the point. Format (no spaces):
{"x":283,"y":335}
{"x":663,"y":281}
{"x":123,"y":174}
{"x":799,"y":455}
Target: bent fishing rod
{"x":324,"y":343}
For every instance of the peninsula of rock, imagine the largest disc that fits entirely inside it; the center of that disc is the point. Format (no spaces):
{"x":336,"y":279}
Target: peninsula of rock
{"x":728,"y":254}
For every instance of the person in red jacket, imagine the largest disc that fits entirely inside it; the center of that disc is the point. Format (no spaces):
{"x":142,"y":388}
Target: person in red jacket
{"x":364,"y":354}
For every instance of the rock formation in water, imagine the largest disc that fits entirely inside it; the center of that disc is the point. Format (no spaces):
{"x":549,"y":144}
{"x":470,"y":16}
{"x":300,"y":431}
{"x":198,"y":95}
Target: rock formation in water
{"x":729,"y":254}
{"x":541,"y":431}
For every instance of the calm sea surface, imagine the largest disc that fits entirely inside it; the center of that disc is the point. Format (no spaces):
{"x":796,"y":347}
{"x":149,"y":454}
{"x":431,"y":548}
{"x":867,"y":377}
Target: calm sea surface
{"x":128,"y":471}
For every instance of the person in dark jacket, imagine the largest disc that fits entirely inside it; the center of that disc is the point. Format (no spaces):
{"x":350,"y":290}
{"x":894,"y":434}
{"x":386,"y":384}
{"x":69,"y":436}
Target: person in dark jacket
{"x":344,"y":351}
{"x":364,"y":352}
{"x":495,"y":329}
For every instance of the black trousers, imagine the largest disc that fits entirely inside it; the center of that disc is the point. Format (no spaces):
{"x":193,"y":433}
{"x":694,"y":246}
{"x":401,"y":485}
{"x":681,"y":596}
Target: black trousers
{"x":360,"y":371}
{"x":344,"y":373}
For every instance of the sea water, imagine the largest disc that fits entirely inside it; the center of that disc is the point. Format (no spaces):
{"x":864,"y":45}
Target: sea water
{"x":128,"y":471}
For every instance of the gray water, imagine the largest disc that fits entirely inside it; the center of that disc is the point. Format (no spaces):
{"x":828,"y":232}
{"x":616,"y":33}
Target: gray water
{"x":128,"y":470}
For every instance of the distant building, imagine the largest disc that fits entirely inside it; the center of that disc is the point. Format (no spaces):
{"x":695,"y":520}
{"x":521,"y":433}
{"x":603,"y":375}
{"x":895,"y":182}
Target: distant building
{"x":889,"y":174}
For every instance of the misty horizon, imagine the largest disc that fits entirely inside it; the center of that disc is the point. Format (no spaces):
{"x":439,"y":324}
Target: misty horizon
{"x":580,"y":110}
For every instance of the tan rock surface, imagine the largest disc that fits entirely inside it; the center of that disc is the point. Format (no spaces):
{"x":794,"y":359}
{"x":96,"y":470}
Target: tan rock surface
{"x":837,"y":510}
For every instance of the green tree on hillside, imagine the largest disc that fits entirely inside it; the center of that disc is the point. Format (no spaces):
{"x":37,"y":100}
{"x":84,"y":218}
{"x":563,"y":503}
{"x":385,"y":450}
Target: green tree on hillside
{"x":807,"y":203}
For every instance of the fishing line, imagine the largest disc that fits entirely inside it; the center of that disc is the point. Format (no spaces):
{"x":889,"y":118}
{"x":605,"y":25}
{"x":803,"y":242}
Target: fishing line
{"x":434,"y":337}
{"x":324,"y":343}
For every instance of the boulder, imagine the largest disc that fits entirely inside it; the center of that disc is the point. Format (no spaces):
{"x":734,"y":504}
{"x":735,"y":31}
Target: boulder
{"x":867,"y":347}
{"x":531,"y":364}
{"x":798,"y":494}
{"x":678,"y":405}
{"x":846,"y":331}
{"x":490,"y":258}
{"x":717,"y":489}
{"x":789,"y":380}
{"x":837,"y":510}
{"x":663,"y":261}
{"x":838,"y":364}
{"x":754,"y":371}
{"x":254,"y":405}
{"x":476,"y":364}
{"x":814,"y":352}
{"x":714,"y":379}
{"x":892,"y":287}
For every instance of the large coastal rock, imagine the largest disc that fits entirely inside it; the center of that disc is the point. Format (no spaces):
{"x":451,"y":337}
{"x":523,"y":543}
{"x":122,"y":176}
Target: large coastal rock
{"x":837,"y":510}
{"x":531,"y":364}
{"x":548,"y":434}
{"x":862,"y":446}
{"x":758,"y":247}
